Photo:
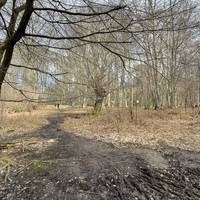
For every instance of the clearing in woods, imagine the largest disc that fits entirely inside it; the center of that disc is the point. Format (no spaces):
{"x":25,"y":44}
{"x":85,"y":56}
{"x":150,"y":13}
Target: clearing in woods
{"x":70,"y":154}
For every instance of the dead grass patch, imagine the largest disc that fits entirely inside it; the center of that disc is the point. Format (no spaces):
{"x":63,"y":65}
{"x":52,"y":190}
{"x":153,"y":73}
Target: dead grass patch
{"x":173,"y":127}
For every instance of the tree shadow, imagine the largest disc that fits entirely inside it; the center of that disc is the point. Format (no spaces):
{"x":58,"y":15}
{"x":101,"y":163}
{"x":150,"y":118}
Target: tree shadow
{"x":74,"y":167}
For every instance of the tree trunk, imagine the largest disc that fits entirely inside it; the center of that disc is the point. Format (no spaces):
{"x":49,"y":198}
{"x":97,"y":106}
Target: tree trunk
{"x":2,"y":3}
{"x":109,"y":100}
{"x":5,"y":62}
{"x":84,"y":104}
{"x":7,"y":47}
{"x":98,"y":104}
{"x":198,"y":102}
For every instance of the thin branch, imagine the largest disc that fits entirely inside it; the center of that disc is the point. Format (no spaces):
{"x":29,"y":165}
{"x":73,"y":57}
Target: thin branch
{"x":79,"y":13}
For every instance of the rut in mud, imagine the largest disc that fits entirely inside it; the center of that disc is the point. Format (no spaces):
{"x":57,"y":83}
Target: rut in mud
{"x":74,"y":167}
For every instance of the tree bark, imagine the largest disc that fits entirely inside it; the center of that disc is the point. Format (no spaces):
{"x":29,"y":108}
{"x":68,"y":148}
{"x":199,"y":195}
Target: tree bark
{"x":6,"y":59}
{"x":7,"y":47}
{"x":2,"y":3}
{"x":98,"y":104}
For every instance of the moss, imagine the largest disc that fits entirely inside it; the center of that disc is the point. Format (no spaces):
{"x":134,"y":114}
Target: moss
{"x":93,"y":112}
{"x":36,"y":121}
{"x":39,"y":166}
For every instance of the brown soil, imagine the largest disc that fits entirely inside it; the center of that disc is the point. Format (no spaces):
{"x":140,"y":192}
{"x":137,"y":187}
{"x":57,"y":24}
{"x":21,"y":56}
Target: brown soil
{"x":52,"y":161}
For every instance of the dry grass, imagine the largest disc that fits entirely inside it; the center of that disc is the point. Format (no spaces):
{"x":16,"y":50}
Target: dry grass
{"x":172,"y":127}
{"x":15,"y":129}
{"x":43,"y":143}
{"x":18,"y":135}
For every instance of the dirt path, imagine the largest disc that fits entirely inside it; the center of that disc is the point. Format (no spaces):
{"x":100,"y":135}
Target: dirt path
{"x":73,"y":167}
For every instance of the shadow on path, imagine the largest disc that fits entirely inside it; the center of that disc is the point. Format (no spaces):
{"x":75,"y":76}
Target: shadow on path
{"x":74,"y":167}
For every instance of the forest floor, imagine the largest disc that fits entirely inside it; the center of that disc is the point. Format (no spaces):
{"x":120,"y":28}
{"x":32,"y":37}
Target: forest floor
{"x":70,"y":154}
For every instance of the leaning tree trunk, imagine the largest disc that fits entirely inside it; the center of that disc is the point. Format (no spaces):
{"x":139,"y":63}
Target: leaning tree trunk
{"x":15,"y":34}
{"x":5,"y":62}
{"x":2,"y":3}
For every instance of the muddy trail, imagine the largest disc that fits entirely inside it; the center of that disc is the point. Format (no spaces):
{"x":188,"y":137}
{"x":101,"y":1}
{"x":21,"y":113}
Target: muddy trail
{"x":72,"y":167}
